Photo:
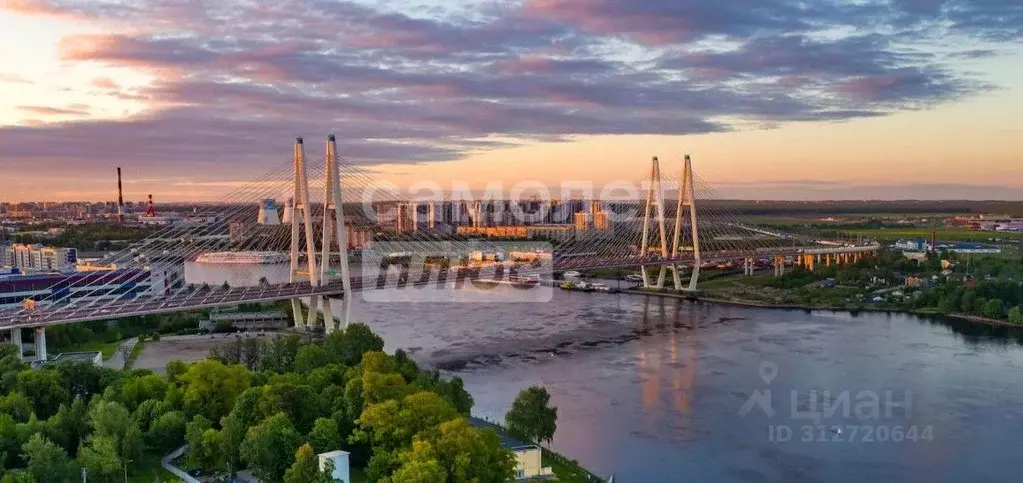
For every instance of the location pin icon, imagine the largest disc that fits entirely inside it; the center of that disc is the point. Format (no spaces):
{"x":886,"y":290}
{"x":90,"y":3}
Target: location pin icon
{"x":768,"y":371}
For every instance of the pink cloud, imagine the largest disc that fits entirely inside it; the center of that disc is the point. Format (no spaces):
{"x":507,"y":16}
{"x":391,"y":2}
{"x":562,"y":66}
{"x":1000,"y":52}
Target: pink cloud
{"x":105,"y":83}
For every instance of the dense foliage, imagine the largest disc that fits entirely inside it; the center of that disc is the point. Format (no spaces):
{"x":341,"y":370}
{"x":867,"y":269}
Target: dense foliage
{"x":266,"y":405}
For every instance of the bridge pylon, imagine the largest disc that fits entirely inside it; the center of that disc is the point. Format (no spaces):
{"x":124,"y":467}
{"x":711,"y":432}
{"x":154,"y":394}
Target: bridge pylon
{"x":333,"y":225}
{"x":654,"y":197}
{"x":686,"y":206}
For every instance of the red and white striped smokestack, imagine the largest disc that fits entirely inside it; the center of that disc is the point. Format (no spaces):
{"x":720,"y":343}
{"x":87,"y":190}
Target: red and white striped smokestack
{"x":120,"y":198}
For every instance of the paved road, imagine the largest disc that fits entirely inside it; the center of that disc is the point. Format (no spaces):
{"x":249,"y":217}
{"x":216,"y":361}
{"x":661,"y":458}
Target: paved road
{"x":116,"y":361}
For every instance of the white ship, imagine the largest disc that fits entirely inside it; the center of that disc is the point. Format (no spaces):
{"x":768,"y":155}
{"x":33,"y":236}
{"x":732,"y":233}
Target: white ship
{"x":243,"y":258}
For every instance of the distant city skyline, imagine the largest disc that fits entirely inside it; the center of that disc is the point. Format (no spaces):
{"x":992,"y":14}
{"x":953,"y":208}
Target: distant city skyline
{"x":775,"y":100}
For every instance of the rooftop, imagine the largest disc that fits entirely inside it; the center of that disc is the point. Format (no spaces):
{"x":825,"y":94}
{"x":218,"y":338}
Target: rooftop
{"x":506,"y":440}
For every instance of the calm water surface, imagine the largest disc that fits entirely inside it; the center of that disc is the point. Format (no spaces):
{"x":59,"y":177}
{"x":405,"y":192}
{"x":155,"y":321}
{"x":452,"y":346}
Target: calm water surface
{"x":651,"y":389}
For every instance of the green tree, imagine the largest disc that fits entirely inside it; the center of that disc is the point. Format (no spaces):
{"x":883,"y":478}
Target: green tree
{"x":311,"y":357}
{"x":324,"y":436}
{"x":993,"y":309}
{"x":70,"y":426}
{"x":10,"y":444}
{"x":232,"y":432}
{"x":210,"y":388}
{"x":473,"y":455}
{"x":405,"y":366}
{"x":269,"y":448}
{"x":947,"y":305}
{"x":133,"y":391}
{"x":382,"y":464}
{"x":300,"y":403}
{"x":419,"y":465}
{"x":244,"y":409}
{"x":350,"y":344}
{"x":306,"y":468}
{"x":1016,"y":315}
{"x":279,"y":353}
{"x":17,"y":476}
{"x":531,"y":416}
{"x":166,"y":432}
{"x":210,"y":452}
{"x":453,"y":390}
{"x":392,"y":424}
{"x":47,"y":462}
{"x":99,"y":457}
{"x":379,"y":387}
{"x":83,"y":379}
{"x":110,"y":420}
{"x":978,"y":306}
{"x":194,"y":431}
{"x":148,"y":412}
{"x":176,"y":369}
{"x":966,"y":304}
{"x":45,"y":389}
{"x":17,"y":405}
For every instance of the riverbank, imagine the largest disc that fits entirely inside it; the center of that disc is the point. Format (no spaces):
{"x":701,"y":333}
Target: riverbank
{"x":698,"y":297}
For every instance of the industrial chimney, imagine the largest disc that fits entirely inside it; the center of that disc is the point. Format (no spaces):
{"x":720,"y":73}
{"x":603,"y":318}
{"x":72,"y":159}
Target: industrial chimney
{"x":120,"y":198}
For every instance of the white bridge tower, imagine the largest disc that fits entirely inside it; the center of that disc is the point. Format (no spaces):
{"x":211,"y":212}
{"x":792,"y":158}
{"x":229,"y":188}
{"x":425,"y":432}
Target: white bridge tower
{"x":333,"y":227}
{"x":681,"y":242}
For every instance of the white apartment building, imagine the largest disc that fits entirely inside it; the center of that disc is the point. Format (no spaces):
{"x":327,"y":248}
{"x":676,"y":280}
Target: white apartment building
{"x":37,"y":258}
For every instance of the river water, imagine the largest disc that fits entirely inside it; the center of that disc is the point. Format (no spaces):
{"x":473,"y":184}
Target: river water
{"x":654,"y":389}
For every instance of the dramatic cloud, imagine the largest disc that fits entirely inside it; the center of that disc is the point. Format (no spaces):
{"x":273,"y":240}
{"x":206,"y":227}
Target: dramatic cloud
{"x":236,"y":80}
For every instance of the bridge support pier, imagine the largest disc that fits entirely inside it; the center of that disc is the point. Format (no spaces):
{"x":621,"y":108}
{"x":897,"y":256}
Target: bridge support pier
{"x":748,"y":267}
{"x":779,"y":266}
{"x":16,"y":340}
{"x":41,"y":343}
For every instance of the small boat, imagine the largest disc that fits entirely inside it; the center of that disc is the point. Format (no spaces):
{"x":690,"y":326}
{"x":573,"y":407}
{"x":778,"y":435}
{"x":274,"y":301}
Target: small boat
{"x":571,"y":274}
{"x":516,"y":282}
{"x":634,"y":277}
{"x":601,"y":287}
{"x":584,"y":287}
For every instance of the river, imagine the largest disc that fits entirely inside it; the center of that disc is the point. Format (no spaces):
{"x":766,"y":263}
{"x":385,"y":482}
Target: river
{"x":654,"y":389}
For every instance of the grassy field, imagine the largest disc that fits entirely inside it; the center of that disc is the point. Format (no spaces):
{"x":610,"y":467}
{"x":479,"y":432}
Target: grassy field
{"x":566,"y":470}
{"x":150,"y":471}
{"x":730,"y":281}
{"x":107,"y":348}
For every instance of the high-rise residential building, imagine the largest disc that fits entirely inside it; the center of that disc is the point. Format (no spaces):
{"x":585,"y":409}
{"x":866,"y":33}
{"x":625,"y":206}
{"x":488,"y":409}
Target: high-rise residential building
{"x":39,"y":258}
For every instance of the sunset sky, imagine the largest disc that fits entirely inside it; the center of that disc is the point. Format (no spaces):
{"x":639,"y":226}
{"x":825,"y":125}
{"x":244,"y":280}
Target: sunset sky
{"x":774,"y":99}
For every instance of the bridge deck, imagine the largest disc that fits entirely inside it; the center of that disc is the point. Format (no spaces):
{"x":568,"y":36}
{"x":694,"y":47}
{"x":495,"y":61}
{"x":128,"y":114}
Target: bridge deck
{"x":215,"y":297}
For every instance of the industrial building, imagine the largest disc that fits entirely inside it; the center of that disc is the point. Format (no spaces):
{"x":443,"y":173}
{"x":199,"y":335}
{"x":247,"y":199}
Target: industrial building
{"x":16,"y":288}
{"x":954,"y":247}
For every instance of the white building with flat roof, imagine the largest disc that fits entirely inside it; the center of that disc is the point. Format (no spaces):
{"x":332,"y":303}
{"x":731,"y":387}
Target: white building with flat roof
{"x":340,"y":460}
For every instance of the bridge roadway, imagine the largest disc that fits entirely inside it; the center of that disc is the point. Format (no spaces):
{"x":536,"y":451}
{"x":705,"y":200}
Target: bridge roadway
{"x":217,"y":297}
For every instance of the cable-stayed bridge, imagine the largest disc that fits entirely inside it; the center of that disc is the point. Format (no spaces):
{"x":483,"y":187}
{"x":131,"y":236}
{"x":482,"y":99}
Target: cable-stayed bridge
{"x":341,"y":230}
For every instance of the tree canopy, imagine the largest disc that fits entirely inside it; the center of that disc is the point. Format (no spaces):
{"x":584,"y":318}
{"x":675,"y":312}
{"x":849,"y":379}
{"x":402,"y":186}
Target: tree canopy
{"x":531,"y":416}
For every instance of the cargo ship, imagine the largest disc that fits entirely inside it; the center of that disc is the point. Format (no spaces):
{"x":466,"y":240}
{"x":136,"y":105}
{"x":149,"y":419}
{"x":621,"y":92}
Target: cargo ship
{"x":243,"y":258}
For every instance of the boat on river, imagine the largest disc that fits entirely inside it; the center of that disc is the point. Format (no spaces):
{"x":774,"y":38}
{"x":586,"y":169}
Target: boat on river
{"x":516,"y":282}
